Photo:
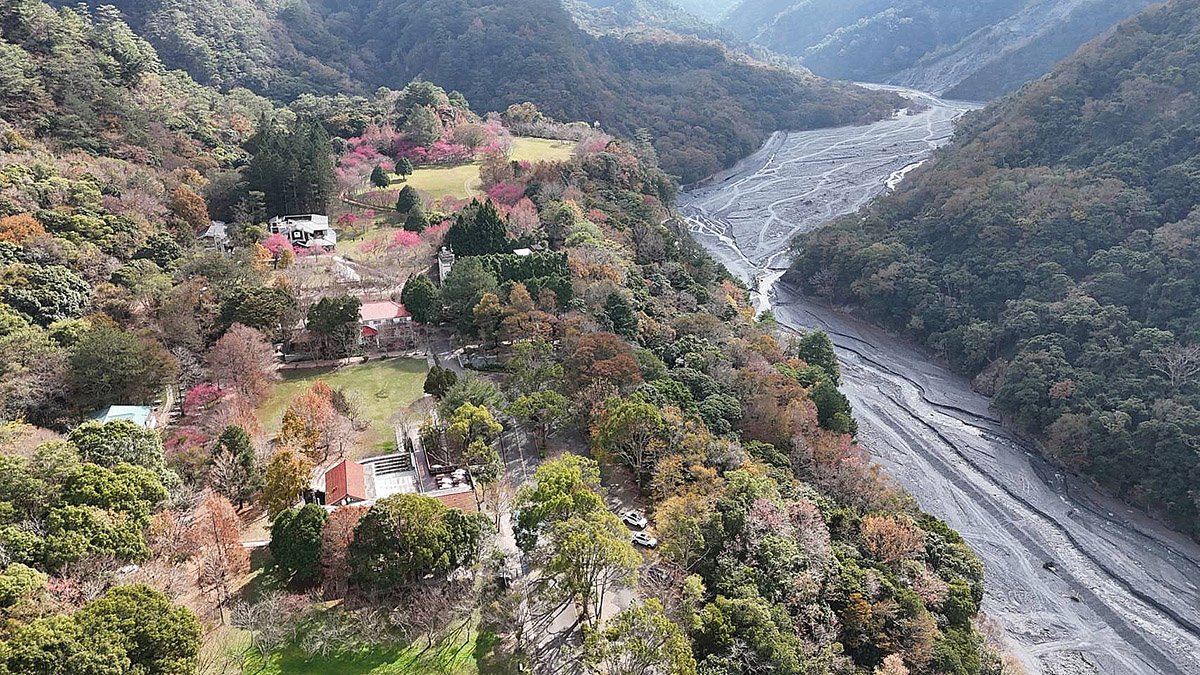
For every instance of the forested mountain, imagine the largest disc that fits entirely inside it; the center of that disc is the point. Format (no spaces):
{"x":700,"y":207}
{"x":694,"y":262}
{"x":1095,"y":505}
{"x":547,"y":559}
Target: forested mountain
{"x":704,"y":107}
{"x":604,"y":16}
{"x":709,"y":10}
{"x":1054,"y":249}
{"x":969,"y":50}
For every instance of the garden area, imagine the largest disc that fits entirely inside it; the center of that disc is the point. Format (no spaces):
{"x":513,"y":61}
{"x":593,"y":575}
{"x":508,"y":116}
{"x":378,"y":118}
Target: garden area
{"x":462,"y":181}
{"x":381,"y":387}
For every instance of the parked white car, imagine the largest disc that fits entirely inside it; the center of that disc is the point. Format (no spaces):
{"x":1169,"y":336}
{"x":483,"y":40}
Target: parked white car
{"x":634,"y":519}
{"x":643,"y":539}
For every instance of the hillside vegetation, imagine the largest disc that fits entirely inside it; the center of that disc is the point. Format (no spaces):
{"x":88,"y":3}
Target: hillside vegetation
{"x":704,"y":107}
{"x":969,"y":50}
{"x":1055,"y":249}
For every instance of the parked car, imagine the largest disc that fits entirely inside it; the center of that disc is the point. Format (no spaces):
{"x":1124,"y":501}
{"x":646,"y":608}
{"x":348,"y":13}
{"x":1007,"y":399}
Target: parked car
{"x":644,"y":539}
{"x":634,"y":519}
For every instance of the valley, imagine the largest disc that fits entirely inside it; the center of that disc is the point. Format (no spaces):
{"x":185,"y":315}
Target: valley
{"x":1078,"y":582}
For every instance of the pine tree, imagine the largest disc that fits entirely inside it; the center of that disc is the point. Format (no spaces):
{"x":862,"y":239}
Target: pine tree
{"x":379,"y":178}
{"x":408,"y":199}
{"x":416,"y":221}
{"x":478,"y":230}
{"x":404,"y":167}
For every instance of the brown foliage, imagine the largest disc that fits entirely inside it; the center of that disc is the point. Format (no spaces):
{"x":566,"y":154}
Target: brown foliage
{"x":216,"y":542}
{"x":20,"y":228}
{"x":244,"y":360}
{"x":336,"y":536}
{"x":891,"y":539}
{"x":603,"y":357}
{"x":190,"y":208}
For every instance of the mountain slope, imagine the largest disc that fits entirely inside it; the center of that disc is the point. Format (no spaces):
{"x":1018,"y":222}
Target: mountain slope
{"x":1055,"y":248}
{"x":704,"y":107}
{"x":603,"y":16}
{"x":976,"y":50}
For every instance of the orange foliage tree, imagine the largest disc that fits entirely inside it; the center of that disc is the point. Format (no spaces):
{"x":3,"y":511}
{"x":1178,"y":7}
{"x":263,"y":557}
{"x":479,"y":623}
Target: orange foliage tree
{"x":19,"y":229}
{"x":215,"y":537}
{"x":892,"y":539}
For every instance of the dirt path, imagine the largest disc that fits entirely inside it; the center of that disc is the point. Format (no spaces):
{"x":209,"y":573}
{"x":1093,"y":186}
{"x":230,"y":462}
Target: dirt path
{"x":1125,"y":592}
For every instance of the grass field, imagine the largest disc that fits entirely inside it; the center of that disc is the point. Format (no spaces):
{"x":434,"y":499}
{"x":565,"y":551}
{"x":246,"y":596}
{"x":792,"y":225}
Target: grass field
{"x":473,"y":656}
{"x":385,"y":386}
{"x":447,"y":181}
{"x":540,"y":150}
{"x":463,"y":181}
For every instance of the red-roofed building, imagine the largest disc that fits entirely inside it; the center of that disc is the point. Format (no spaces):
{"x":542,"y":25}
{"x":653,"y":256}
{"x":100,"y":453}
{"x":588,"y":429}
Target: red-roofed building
{"x":385,"y":324}
{"x":345,"y":484}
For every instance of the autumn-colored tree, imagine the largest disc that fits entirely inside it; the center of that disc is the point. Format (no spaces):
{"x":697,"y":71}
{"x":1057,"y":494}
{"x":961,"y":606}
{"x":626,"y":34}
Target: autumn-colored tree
{"x":680,"y":523}
{"x":287,"y":474}
{"x":891,"y":539}
{"x":603,"y":357}
{"x":336,"y":537}
{"x":488,"y":313}
{"x":190,"y":208}
{"x":243,"y":360}
{"x":20,"y":229}
{"x":893,"y":664}
{"x":311,"y":422}
{"x":216,"y":543}
{"x":532,"y":325}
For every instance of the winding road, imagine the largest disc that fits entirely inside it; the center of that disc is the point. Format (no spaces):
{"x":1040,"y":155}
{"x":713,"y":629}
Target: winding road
{"x":1079,"y":582}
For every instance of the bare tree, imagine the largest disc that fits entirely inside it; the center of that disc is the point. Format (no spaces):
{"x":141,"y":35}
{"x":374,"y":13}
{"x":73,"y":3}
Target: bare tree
{"x":1177,"y":363}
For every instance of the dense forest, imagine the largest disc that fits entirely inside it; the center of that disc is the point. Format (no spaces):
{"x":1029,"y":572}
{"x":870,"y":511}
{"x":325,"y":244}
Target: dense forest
{"x":1052,"y":250}
{"x":704,"y":106}
{"x":969,"y":50}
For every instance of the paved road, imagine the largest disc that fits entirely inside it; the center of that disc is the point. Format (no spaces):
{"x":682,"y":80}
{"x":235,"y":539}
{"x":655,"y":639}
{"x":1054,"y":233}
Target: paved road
{"x":1125,"y":596}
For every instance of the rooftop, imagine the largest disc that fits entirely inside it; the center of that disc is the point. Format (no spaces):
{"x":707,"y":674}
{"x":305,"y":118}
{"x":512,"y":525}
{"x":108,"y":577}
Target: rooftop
{"x":140,"y":415}
{"x":377,"y":311}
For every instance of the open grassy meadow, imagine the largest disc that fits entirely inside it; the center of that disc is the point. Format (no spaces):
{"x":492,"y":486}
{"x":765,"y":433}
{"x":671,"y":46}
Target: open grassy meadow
{"x":540,"y":150}
{"x":384,"y":387}
{"x":462,"y":182}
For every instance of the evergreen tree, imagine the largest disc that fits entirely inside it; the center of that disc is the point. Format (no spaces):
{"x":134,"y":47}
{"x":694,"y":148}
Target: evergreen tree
{"x":235,"y":472}
{"x":407,"y":200}
{"x":379,"y":178}
{"x":404,"y":167}
{"x":293,"y":169}
{"x":621,"y":315}
{"x":421,"y":299}
{"x":416,"y":221}
{"x":439,"y":381}
{"x":478,"y":230}
{"x":816,"y":349}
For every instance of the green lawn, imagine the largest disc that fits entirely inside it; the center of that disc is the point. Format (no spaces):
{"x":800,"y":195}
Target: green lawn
{"x":540,"y":150}
{"x":456,"y":656}
{"x":443,"y":181}
{"x":385,"y":386}
{"x":463,"y":181}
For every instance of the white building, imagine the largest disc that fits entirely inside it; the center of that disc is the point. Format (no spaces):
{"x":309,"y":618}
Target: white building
{"x":306,"y":231}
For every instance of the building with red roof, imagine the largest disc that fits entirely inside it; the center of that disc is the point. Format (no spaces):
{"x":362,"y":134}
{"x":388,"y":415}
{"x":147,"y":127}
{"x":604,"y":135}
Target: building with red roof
{"x":345,"y":483}
{"x":385,"y":324}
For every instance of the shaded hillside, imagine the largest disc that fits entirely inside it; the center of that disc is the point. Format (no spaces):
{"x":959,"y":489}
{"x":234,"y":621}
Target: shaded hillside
{"x":604,"y":16}
{"x":705,"y":107}
{"x":976,"y":50}
{"x":1055,"y":247}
